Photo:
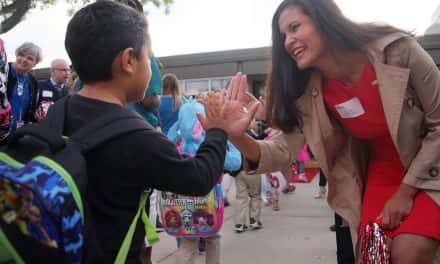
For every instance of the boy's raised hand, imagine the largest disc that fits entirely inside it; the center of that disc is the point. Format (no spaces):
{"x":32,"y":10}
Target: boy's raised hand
{"x":229,"y":111}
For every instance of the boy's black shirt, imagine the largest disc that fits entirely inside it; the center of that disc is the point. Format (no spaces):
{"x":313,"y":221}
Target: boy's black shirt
{"x":119,"y":171}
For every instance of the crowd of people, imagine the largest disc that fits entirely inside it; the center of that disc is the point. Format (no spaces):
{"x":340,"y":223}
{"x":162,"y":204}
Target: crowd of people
{"x":24,"y":99}
{"x":337,"y":89}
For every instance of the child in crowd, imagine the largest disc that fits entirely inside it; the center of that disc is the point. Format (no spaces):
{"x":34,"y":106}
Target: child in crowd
{"x":189,"y":130}
{"x":116,"y":38}
{"x":170,"y":102}
{"x":302,"y":158}
{"x":147,"y":108}
{"x":226,"y":185}
{"x":322,"y":186}
{"x":248,"y":187}
{"x":272,"y":195}
{"x":248,"y":196}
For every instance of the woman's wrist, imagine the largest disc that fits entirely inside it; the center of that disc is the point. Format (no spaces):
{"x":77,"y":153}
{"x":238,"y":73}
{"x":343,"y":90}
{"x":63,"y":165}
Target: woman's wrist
{"x":407,"y":190}
{"x":238,"y":138}
{"x":248,"y":147}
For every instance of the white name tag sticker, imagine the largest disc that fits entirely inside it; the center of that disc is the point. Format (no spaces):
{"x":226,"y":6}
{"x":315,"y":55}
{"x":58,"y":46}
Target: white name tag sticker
{"x":48,"y":94}
{"x":350,"y":109}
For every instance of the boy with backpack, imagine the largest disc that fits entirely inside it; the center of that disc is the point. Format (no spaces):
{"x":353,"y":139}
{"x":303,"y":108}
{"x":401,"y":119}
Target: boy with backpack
{"x":109,"y":47}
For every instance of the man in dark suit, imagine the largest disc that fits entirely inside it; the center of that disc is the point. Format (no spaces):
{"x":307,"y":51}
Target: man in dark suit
{"x":54,"y":88}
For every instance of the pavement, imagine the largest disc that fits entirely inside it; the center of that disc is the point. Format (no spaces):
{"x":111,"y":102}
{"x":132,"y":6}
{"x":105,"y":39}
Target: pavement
{"x":298,"y":233}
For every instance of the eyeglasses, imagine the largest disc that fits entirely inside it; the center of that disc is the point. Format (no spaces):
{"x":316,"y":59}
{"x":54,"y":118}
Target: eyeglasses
{"x":63,"y":70}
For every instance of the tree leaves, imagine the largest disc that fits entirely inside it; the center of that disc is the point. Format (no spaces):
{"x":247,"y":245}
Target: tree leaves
{"x":13,"y":11}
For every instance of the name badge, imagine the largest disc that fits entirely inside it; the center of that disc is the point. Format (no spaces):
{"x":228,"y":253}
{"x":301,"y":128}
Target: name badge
{"x":20,"y":123}
{"x":48,"y":94}
{"x":350,"y":109}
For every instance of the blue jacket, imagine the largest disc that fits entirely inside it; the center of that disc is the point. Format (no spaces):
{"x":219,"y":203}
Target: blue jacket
{"x":34,"y":96}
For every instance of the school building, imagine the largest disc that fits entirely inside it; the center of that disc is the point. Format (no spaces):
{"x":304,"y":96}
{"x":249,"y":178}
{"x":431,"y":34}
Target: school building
{"x":212,"y":71}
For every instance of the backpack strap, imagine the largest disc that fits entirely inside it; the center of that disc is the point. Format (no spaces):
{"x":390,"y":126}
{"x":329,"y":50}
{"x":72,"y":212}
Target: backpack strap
{"x":103,"y":129}
{"x":150,"y":231}
{"x":10,"y":255}
{"x":108,"y":127}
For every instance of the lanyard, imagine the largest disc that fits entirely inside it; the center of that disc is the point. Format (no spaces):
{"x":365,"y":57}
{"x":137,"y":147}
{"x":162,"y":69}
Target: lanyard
{"x":20,"y":92}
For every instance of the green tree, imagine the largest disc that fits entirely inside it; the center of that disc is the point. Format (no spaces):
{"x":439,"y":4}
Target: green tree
{"x":13,"y":11}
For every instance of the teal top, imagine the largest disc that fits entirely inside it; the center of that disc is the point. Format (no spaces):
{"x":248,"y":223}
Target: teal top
{"x":154,"y":87}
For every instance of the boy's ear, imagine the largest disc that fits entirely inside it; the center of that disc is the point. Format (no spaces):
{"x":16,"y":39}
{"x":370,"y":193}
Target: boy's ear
{"x":128,"y":61}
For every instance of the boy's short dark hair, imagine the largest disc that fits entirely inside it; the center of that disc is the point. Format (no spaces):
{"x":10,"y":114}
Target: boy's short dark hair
{"x":98,"y":32}
{"x":133,"y":4}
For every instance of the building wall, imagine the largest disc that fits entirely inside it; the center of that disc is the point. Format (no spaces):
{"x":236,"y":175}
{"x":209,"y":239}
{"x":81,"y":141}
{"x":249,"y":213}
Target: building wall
{"x":431,"y":43}
{"x":212,"y":71}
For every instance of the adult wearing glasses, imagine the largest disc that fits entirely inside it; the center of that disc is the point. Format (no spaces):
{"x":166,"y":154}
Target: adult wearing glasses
{"x":54,"y":88}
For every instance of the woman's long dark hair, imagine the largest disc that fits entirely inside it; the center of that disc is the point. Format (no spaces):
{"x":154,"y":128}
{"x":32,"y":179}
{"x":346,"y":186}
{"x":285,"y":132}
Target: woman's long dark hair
{"x":286,"y":82}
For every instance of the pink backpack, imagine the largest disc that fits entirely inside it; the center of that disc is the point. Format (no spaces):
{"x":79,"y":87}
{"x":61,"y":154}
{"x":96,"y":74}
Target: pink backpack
{"x":189,"y":216}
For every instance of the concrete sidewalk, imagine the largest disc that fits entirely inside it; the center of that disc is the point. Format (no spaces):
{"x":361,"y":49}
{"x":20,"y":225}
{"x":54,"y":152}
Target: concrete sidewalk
{"x":298,"y":233}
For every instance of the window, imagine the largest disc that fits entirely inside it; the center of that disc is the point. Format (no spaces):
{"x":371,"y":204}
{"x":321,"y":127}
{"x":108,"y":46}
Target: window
{"x":196,"y":86}
{"x":219,"y":84}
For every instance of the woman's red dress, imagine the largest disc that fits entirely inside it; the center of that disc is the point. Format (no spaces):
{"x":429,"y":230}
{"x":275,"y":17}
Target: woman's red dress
{"x":385,"y":172}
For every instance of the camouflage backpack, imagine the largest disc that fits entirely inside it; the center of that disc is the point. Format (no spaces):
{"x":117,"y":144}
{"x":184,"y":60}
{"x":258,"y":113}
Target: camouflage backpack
{"x":43,"y":179}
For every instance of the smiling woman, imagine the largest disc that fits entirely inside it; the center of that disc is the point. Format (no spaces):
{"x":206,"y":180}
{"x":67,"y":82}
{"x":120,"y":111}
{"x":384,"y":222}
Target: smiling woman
{"x":22,"y":87}
{"x":304,"y":38}
{"x":365,"y":98}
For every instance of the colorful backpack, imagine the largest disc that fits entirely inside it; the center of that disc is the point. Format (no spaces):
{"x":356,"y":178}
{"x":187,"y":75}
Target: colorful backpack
{"x":42,"y":184}
{"x":190,"y":216}
{"x":187,"y":216}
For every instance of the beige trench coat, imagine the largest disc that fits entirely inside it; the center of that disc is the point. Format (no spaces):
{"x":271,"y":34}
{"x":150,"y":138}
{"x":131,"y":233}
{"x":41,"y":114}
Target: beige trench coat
{"x":409,"y":84}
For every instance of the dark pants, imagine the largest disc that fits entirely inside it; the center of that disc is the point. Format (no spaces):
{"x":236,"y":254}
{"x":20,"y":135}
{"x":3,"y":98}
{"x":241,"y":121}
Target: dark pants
{"x":322,"y":179}
{"x":343,"y":236}
{"x":343,"y":242}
